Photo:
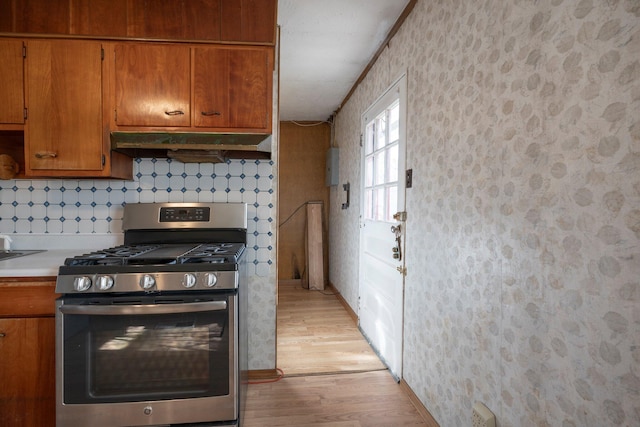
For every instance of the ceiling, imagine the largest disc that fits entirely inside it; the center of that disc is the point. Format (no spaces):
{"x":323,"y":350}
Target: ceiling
{"x":324,"y":47}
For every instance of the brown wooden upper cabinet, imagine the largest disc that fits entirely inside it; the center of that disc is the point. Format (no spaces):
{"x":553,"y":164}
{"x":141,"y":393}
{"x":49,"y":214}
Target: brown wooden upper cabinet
{"x":12,"y":87}
{"x":152,"y":85}
{"x":232,"y":87}
{"x":64,"y":133}
{"x":175,"y":20}
{"x":193,"y":88}
{"x":249,"y":21}
{"x":64,"y":105}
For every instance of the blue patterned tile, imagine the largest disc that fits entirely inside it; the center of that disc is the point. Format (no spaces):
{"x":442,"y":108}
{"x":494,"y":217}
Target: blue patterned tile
{"x":95,"y":206}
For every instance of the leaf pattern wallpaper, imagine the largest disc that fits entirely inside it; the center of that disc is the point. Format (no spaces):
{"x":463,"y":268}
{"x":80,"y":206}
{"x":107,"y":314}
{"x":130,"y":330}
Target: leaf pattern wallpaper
{"x":523,"y":230}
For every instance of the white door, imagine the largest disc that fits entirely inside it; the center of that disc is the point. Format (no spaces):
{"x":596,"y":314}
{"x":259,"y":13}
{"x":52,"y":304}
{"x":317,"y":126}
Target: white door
{"x":381,"y":284}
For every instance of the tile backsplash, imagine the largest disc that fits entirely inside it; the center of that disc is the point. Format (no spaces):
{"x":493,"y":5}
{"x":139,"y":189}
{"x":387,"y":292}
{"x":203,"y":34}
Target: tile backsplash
{"x":86,"y":206}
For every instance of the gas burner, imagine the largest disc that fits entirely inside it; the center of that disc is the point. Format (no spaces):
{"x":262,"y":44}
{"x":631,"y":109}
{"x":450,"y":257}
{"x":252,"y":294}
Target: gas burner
{"x":204,"y":260}
{"x":209,"y":249}
{"x":113,"y":256}
{"x":161,"y":254}
{"x":201,"y":253}
{"x":173,"y":247}
{"x":109,"y":261}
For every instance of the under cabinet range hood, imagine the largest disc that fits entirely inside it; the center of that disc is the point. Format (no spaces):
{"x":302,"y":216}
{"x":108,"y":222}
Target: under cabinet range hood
{"x":192,"y":147}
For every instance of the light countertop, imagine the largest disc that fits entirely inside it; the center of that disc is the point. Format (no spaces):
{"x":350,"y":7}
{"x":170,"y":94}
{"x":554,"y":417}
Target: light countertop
{"x":36,"y":265}
{"x":57,"y":248}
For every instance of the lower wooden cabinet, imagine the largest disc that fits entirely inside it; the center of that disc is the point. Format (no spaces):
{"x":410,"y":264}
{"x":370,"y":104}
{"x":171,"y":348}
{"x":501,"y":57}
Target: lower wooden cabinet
{"x":27,"y":354}
{"x":27,"y":372}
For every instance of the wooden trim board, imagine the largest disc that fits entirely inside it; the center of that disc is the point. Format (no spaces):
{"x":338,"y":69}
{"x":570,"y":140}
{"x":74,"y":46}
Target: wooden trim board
{"x":422,"y":410}
{"x":263,"y":374}
{"x":315,"y":248}
{"x":344,"y":303}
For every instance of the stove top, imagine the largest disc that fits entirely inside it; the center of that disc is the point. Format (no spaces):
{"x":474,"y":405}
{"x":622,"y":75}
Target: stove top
{"x":161,"y":254}
{"x":167,"y":247}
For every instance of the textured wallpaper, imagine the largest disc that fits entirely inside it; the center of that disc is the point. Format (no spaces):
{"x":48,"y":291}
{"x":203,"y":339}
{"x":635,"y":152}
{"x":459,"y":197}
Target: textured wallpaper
{"x":523,"y":255}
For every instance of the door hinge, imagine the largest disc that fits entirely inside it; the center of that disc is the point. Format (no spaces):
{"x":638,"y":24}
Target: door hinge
{"x":360,"y":140}
{"x":402,"y":270}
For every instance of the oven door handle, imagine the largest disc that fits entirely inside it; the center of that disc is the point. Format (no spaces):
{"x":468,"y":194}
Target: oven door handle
{"x":117,"y":310}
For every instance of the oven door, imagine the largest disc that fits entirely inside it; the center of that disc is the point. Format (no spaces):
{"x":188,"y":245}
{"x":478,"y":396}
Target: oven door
{"x":147,"y":360}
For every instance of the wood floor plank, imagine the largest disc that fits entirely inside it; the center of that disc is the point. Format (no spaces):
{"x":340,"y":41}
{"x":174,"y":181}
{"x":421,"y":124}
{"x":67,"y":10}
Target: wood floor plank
{"x":332,"y":377}
{"x":317,"y":335}
{"x":341,"y":400}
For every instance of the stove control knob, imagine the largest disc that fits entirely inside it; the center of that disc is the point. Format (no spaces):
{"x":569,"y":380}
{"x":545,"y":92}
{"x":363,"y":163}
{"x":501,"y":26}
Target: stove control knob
{"x":211,"y":279}
{"x":147,"y":281}
{"x":105,"y":283}
{"x":189,"y":280}
{"x":81,"y":284}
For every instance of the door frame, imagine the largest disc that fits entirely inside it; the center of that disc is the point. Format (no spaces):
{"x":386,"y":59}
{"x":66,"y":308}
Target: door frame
{"x":399,"y":84}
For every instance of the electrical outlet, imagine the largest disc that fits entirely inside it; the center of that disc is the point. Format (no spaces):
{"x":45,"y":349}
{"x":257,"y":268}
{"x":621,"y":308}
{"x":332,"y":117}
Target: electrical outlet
{"x":482,"y":416}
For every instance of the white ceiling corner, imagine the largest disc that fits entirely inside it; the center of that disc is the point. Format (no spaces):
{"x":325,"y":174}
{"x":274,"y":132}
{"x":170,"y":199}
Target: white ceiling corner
{"x":324,"y":47}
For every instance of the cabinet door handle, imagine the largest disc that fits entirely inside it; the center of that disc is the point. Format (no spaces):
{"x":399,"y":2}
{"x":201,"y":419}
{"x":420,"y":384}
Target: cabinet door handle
{"x":174,"y":113}
{"x":210,"y":113}
{"x":46,"y":155}
{"x":2,"y":335}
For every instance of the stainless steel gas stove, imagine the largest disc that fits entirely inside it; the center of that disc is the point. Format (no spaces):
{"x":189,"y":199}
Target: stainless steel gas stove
{"x":152,"y":332}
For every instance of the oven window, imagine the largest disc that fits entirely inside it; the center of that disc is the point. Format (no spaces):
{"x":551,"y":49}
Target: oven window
{"x":143,"y":357}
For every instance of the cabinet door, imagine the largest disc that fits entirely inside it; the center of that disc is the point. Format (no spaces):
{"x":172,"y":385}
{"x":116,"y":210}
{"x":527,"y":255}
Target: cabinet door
{"x":248,"y":20}
{"x":27,"y":372}
{"x":12,"y":88}
{"x":63,"y":130}
{"x":99,"y":18}
{"x":232,"y":87}
{"x":152,"y":85}
{"x":175,"y":20}
{"x":40,"y":16}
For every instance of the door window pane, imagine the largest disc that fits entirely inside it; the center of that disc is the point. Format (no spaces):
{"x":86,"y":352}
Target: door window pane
{"x":380,"y":168}
{"x":368,"y":174}
{"x":370,"y":136}
{"x":379,"y":199}
{"x":394,"y":122}
{"x":392,"y":167}
{"x":381,"y":129}
{"x":392,"y":202}
{"x":381,"y":164}
{"x":368,"y":203}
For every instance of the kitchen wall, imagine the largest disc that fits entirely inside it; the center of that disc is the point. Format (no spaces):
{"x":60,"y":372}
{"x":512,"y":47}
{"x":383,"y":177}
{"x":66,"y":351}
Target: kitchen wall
{"x":303,"y":148}
{"x":523,"y":256}
{"x":57,"y":207}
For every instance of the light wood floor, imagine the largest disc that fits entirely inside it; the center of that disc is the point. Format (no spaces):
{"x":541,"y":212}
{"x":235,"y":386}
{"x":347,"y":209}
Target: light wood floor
{"x":317,"y":335}
{"x":332,"y":378}
{"x":365,"y":399}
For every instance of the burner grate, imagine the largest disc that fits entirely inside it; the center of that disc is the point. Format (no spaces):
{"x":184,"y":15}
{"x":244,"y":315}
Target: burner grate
{"x":161,"y":254}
